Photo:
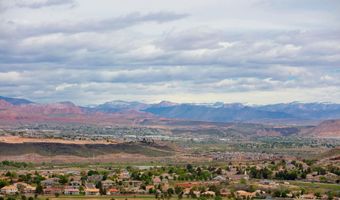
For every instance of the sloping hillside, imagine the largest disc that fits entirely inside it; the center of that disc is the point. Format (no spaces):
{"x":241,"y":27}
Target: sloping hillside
{"x":83,"y":150}
{"x":328,"y":128}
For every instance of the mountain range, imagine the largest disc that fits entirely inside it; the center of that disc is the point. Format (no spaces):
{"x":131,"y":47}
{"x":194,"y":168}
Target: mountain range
{"x":216,"y":112}
{"x":314,"y":119}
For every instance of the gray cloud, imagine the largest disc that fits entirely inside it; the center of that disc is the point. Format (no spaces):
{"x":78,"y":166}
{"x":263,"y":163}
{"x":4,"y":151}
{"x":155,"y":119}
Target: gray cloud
{"x":12,"y":4}
{"x":165,"y":55}
{"x":12,"y":29}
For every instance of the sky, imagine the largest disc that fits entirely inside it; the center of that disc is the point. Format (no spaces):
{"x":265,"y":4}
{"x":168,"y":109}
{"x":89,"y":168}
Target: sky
{"x":248,"y":51}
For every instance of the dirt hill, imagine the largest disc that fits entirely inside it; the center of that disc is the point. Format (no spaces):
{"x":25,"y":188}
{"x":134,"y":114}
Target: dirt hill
{"x":328,"y":128}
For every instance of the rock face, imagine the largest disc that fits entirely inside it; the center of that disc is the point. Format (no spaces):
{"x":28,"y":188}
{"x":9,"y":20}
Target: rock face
{"x":64,"y":112}
{"x":4,"y":104}
{"x":328,"y":128}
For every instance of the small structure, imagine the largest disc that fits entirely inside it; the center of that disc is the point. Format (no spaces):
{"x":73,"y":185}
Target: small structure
{"x":225,"y":192}
{"x":51,"y":182}
{"x":9,"y":190}
{"x":75,"y":184}
{"x":107,"y":184}
{"x":95,"y":178}
{"x":25,"y":188}
{"x":208,"y":194}
{"x":149,"y":187}
{"x":71,"y":191}
{"x":53,"y":190}
{"x":156,"y":180}
{"x":112,"y":191}
{"x":90,"y":189}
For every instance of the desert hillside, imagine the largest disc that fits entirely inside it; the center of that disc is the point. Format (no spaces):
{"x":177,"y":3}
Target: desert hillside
{"x":328,"y":128}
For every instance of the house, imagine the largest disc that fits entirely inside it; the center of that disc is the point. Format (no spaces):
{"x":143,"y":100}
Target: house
{"x":112,"y":191}
{"x":53,"y":190}
{"x":132,"y":184}
{"x":308,"y":196}
{"x":244,"y":194}
{"x":197,"y":193}
{"x":71,"y":191}
{"x":29,"y":189}
{"x":239,"y":177}
{"x":156,"y":180}
{"x":124,"y":175}
{"x":165,"y":187}
{"x":209,"y":194}
{"x":225,"y":192}
{"x":268,"y":182}
{"x":220,"y":178}
{"x":149,"y":187}
{"x":9,"y":190}
{"x":75,"y":184}
{"x":167,"y":176}
{"x":95,"y":178}
{"x":90,"y":189}
{"x":25,"y":188}
{"x":73,"y":172}
{"x":51,"y":182}
{"x":187,"y":184}
{"x":107,"y":184}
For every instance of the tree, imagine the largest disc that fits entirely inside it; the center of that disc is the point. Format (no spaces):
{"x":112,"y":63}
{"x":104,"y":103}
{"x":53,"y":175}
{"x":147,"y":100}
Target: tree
{"x":3,"y":183}
{"x":317,"y":194}
{"x":39,"y":189}
{"x":63,"y":179}
{"x":171,"y":191}
{"x":323,"y":179}
{"x":330,"y":195}
{"x":178,"y":190}
{"x":189,"y":167}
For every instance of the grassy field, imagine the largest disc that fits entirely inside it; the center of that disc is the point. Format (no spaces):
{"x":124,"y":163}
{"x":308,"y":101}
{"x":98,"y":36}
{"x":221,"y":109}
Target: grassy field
{"x":317,"y":187}
{"x":121,"y":197}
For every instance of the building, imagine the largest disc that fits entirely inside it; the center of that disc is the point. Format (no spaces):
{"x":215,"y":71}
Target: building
{"x":75,"y":184}
{"x":149,"y":187}
{"x":124,"y":175}
{"x":71,"y":191}
{"x":25,"y":188}
{"x":95,"y":178}
{"x":112,"y":191}
{"x":132,"y":184}
{"x":9,"y":190}
{"x":225,"y":192}
{"x":53,"y":190}
{"x":90,"y":189}
{"x":51,"y":182}
{"x":107,"y":184}
{"x":209,"y":194}
{"x":156,"y":180}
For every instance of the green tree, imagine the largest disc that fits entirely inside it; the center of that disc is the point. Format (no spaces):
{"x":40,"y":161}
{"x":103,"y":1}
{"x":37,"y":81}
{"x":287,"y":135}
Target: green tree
{"x":39,"y":189}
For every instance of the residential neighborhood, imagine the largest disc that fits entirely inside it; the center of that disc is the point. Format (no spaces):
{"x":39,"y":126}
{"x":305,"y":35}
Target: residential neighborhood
{"x":276,"y":179}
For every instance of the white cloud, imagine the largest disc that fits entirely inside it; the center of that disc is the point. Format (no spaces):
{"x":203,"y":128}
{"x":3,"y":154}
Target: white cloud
{"x":220,"y":50}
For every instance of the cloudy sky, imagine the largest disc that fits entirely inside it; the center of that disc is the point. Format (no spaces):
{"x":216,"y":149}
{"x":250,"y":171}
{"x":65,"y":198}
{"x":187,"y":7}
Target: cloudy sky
{"x":249,"y":51}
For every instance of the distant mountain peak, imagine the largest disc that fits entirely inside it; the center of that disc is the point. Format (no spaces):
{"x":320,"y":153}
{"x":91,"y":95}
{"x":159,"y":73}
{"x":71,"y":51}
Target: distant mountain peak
{"x":15,"y":101}
{"x":166,"y":103}
{"x":67,"y":103}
